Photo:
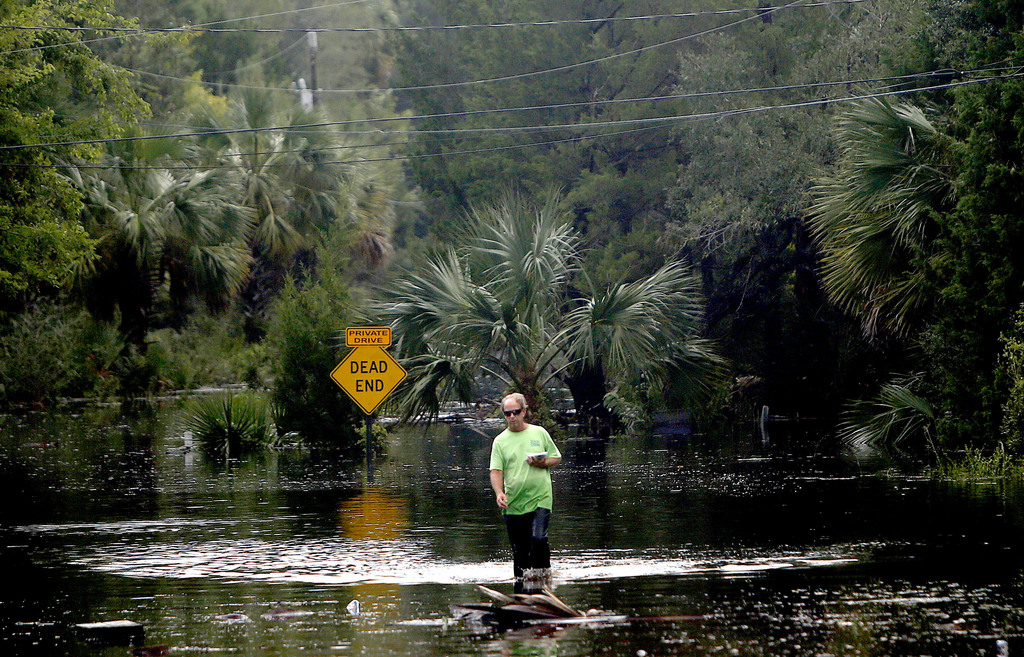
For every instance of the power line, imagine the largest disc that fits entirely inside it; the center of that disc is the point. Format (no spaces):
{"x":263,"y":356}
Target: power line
{"x":686,"y":96}
{"x":393,"y":158}
{"x":648,"y":122}
{"x":201,"y":132}
{"x":894,"y":80}
{"x":504,"y":78}
{"x":132,"y":31}
{"x":566,"y":67}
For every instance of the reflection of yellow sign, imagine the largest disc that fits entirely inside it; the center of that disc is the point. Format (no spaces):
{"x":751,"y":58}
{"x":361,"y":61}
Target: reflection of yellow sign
{"x":368,"y":336}
{"x":368,"y":375}
{"x":373,"y":515}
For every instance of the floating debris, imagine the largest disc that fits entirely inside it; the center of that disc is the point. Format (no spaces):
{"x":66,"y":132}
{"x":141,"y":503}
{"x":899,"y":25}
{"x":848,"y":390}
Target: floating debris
{"x":233,"y":618}
{"x":112,"y":633}
{"x":528,"y":608}
{"x":284,"y":613}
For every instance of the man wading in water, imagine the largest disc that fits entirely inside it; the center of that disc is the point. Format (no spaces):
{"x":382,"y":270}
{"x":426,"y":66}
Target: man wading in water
{"x":521,"y":457}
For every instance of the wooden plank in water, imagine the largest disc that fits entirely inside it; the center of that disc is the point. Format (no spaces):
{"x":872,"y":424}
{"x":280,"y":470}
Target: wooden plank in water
{"x":496,"y":595}
{"x":525,"y":611}
{"x":581,"y":620}
{"x":545,"y":603}
{"x":554,"y":600}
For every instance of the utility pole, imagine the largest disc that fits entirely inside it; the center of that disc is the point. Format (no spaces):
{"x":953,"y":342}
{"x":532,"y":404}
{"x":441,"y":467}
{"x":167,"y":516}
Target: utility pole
{"x":311,"y":40}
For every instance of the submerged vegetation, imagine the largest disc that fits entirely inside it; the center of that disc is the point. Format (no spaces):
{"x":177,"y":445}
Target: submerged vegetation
{"x":233,"y":424}
{"x":973,"y":464}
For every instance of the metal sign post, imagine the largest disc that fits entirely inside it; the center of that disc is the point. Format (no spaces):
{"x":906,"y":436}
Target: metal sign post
{"x":369,"y":448}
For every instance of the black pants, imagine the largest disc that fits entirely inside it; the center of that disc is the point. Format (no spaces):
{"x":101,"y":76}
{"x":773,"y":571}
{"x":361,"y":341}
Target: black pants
{"x":528,"y":534}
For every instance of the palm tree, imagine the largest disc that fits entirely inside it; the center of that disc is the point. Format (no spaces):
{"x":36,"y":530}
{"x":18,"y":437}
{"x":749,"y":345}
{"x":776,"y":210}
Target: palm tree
{"x":502,"y":304}
{"x":162,"y":236}
{"x":645,"y":330}
{"x":873,"y":216}
{"x":285,"y":158}
{"x":366,"y":210}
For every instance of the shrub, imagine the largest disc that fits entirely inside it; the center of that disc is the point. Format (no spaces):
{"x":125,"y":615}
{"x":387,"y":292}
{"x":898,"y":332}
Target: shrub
{"x":136,"y":373}
{"x":252,"y":366}
{"x":230,"y":425}
{"x":51,"y":351}
{"x":204,"y":352}
{"x":973,"y":464}
{"x":304,"y":346}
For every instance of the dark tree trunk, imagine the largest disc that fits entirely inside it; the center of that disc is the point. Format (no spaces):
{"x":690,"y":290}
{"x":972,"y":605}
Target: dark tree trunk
{"x":135,"y":301}
{"x":587,"y":385}
{"x":260,"y":288}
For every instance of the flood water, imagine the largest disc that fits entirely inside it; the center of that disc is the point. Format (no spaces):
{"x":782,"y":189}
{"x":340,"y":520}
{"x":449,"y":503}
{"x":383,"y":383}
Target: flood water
{"x":709,"y":547}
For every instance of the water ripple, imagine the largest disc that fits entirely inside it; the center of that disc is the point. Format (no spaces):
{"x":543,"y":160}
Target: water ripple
{"x":405,"y":560}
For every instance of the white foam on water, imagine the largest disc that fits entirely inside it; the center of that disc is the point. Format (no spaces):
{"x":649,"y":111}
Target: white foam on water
{"x":407,"y":560}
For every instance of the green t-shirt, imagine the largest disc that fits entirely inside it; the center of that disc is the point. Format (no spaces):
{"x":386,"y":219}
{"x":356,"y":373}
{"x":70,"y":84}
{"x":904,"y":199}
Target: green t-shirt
{"x":526,"y":487}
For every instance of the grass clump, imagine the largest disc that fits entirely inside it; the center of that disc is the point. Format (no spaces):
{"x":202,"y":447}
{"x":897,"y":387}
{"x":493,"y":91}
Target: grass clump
{"x":974,"y":464}
{"x":230,"y":425}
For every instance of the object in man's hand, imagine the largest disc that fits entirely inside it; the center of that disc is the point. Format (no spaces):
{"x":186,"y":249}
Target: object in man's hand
{"x":536,"y":455}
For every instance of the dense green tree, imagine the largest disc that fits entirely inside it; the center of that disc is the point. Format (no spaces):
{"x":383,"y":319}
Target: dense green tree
{"x":728,"y":191}
{"x":935,"y":221}
{"x":976,"y":284}
{"x":302,"y":339}
{"x":738,"y":204}
{"x":163,"y":236}
{"x":609,"y":174}
{"x":503,"y":304}
{"x":52,"y":88}
{"x":980,"y":284}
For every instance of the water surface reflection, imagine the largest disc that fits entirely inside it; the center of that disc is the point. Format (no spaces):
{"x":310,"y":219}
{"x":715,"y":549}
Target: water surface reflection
{"x":786,"y":550}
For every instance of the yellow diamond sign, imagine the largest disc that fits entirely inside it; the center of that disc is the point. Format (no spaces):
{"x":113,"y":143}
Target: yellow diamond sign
{"x":368,"y":375}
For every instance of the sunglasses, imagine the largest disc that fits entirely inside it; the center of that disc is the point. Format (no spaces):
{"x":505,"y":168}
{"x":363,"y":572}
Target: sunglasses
{"x":514,"y":411}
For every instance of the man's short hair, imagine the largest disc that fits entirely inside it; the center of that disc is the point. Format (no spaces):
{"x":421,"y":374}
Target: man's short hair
{"x":516,"y":397}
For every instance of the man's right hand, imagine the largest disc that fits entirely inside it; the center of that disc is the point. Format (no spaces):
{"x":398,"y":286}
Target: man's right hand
{"x":498,"y":486}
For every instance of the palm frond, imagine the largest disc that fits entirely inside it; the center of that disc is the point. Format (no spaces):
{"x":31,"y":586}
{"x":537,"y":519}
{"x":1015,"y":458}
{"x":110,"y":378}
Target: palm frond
{"x":444,"y":307}
{"x":528,"y":252}
{"x":365,"y":203}
{"x":431,"y":380}
{"x":896,"y":416}
{"x":872,"y":216}
{"x":633,"y":325}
